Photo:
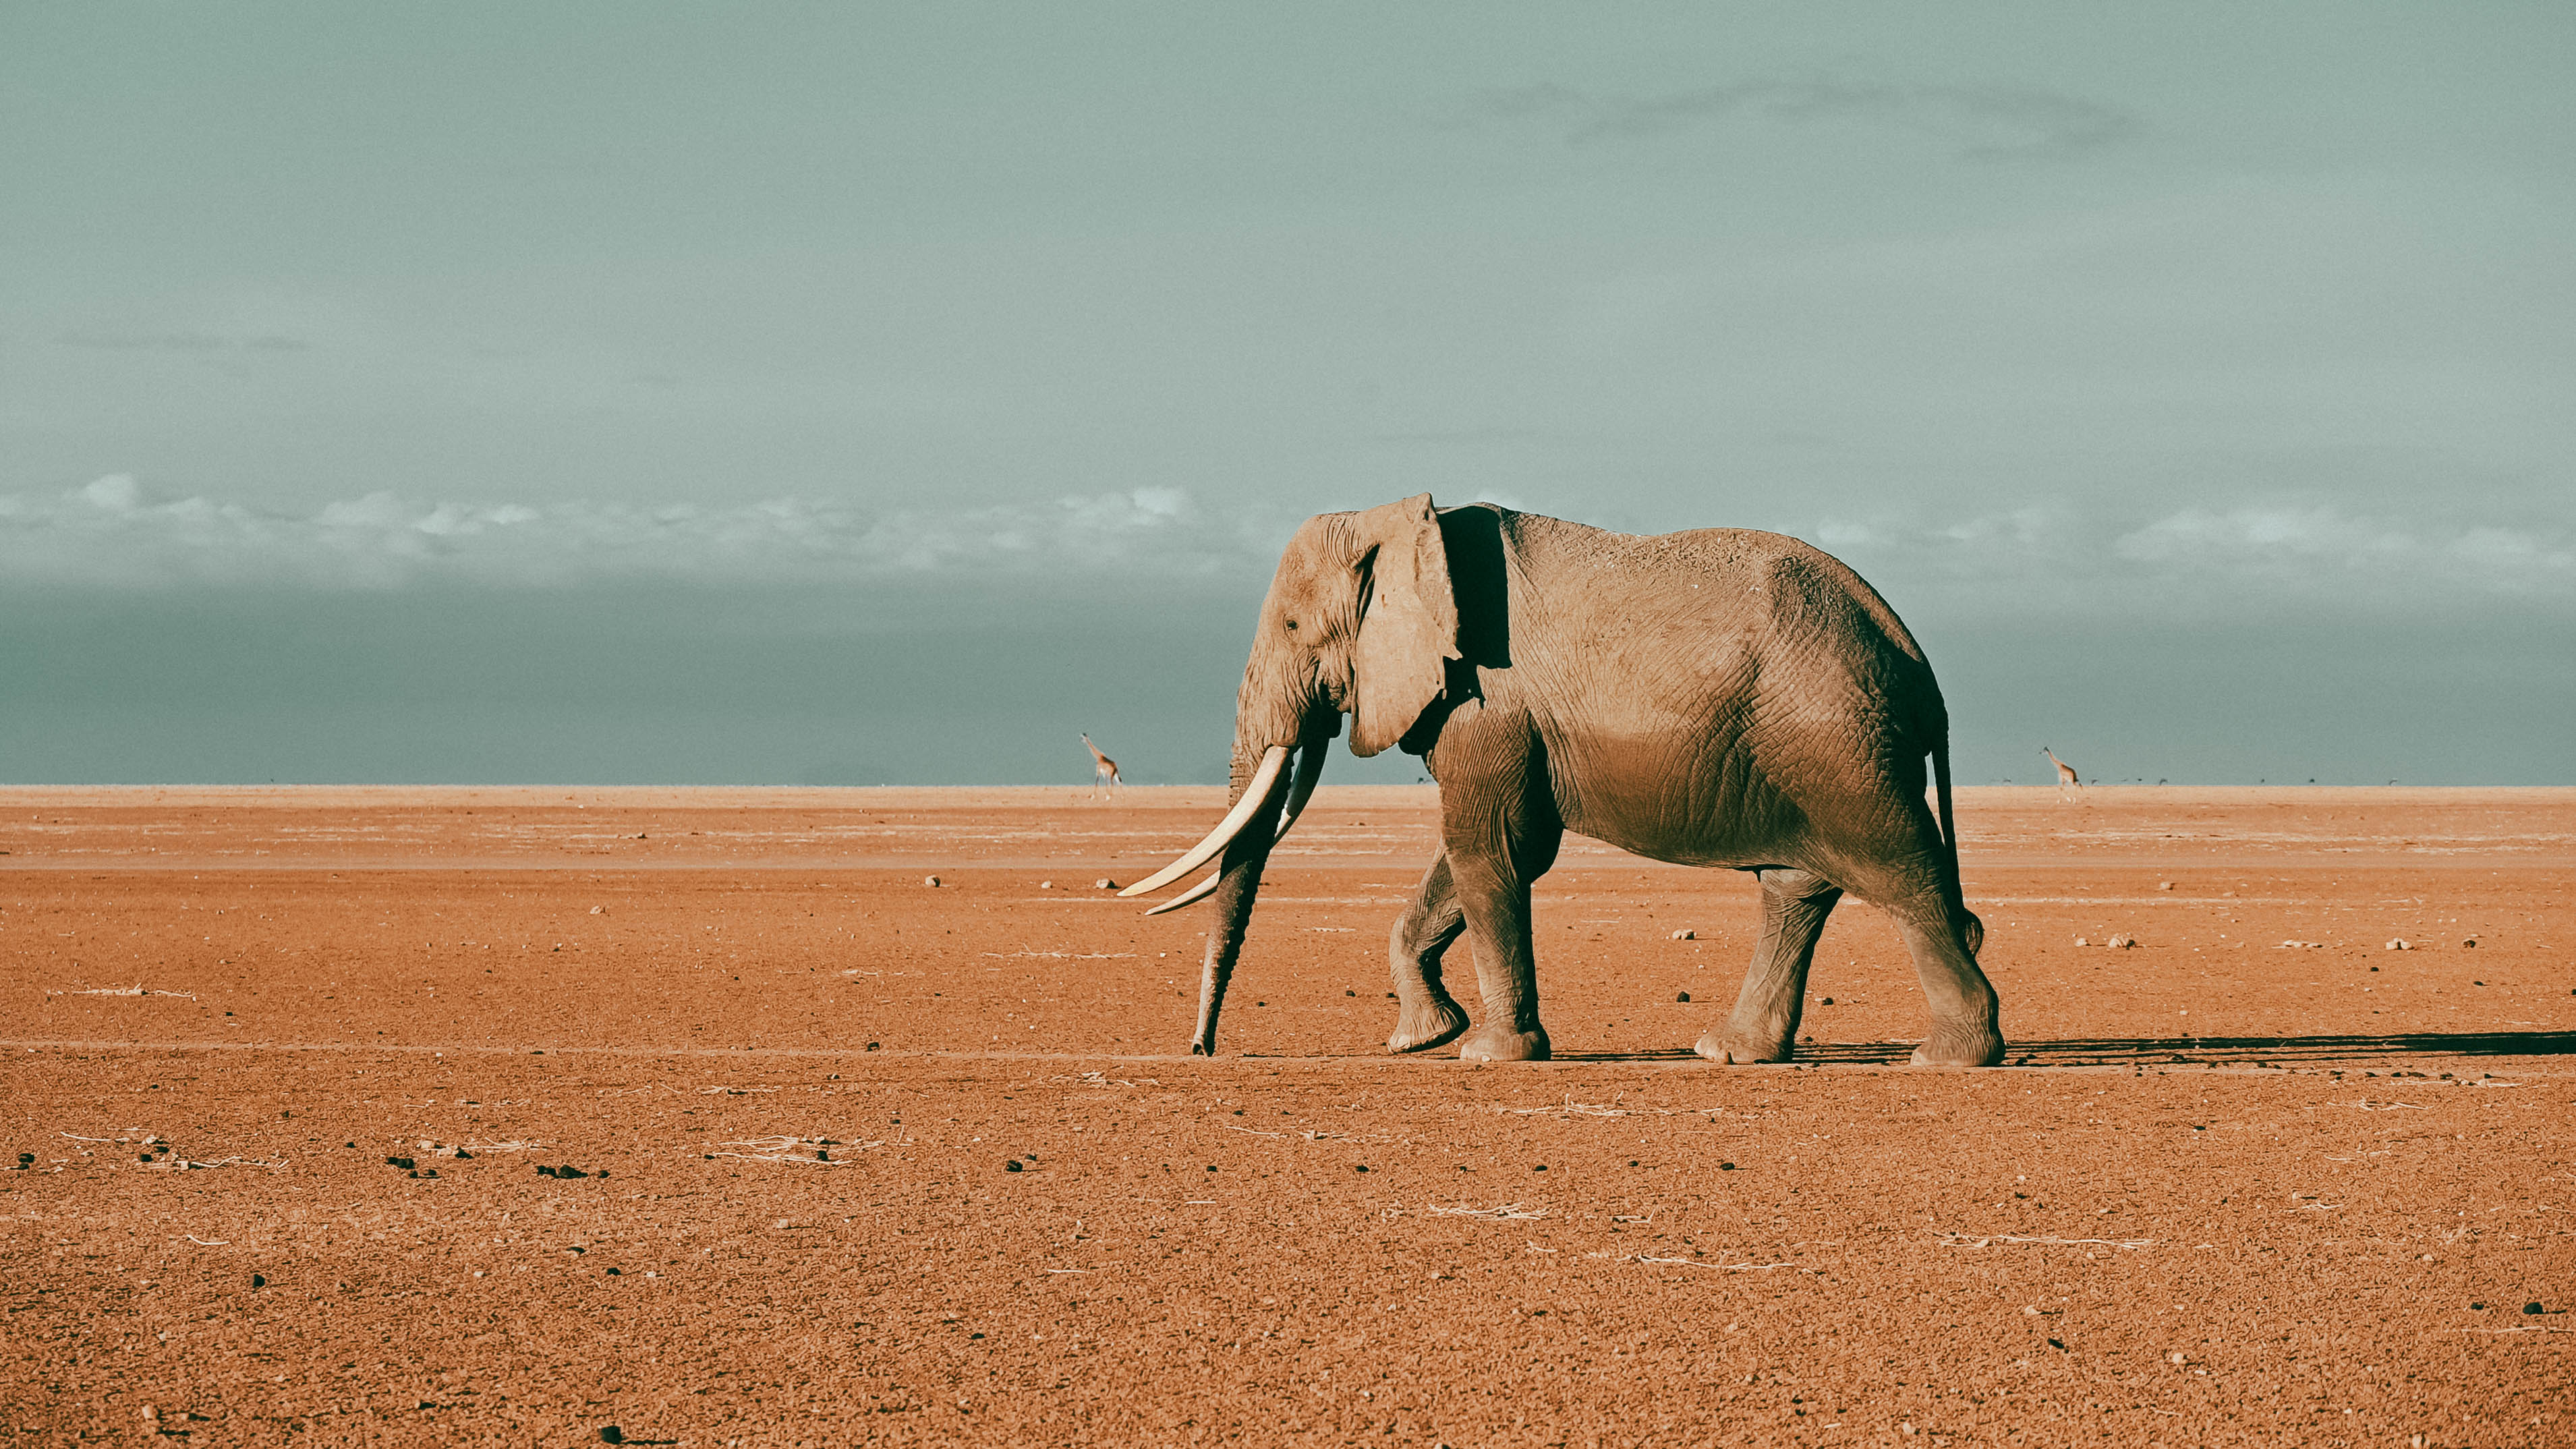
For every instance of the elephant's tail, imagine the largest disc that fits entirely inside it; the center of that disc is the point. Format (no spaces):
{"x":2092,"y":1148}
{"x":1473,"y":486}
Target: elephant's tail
{"x":1971,"y":930}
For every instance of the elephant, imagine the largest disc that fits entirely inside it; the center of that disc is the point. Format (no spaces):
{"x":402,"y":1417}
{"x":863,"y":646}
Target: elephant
{"x":1718,"y":697}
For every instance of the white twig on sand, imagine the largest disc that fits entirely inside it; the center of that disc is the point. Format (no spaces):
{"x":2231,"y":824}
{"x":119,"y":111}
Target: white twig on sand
{"x":1096,"y":1079}
{"x":732,"y":1091}
{"x":184,"y":1164}
{"x":2367,"y":1105}
{"x":1976,"y":1240}
{"x":209,"y":1242}
{"x":1571,"y":1108}
{"x":1728,"y":1267}
{"x":1253,"y":1131}
{"x":514,"y":1145}
{"x":138,"y":989}
{"x":791,"y":1149}
{"x":1061,"y":955}
{"x":1491,"y":1214}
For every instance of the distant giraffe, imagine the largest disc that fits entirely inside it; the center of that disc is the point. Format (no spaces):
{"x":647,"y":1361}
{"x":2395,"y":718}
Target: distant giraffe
{"x":2065,"y":772}
{"x":1104,"y":770}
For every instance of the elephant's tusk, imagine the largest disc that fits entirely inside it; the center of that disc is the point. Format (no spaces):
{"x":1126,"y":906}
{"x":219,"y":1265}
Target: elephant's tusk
{"x":1301,"y":786}
{"x":1255,"y":795}
{"x":1198,"y":892}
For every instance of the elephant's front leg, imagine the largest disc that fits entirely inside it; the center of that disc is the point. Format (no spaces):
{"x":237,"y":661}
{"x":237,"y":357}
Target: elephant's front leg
{"x":1499,"y":831}
{"x":1764,"y":1024}
{"x":1426,"y":1015}
{"x":1497,"y":911}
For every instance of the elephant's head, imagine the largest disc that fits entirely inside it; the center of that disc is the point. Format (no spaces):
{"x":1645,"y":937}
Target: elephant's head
{"x":1360,"y":620}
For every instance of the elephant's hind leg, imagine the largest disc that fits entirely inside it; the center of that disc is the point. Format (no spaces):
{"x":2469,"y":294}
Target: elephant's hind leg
{"x":1764,"y":1024}
{"x":1965,"y":1029}
{"x":1426,"y":1015}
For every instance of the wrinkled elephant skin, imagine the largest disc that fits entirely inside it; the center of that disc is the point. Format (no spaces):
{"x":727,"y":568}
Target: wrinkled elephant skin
{"x":1718,"y":698}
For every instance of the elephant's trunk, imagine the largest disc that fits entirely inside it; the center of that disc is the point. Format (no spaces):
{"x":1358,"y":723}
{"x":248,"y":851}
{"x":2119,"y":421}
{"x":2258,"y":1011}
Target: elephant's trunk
{"x":1238,"y":878}
{"x":1239,"y":881}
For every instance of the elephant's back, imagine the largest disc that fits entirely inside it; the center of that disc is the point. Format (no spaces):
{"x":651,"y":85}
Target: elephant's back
{"x":1708,"y":672}
{"x":1796,"y":588}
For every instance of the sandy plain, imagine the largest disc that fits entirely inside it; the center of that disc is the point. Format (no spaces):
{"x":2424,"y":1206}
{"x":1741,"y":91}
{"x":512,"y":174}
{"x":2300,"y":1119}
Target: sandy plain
{"x":871,"y":1160}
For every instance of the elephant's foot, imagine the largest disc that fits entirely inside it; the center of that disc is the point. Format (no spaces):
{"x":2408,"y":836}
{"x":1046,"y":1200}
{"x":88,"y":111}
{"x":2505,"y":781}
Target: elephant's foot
{"x":1743,"y":1039}
{"x":1430,"y":1023}
{"x":1961,"y":1046}
{"x":1499,"y":1044}
{"x":1742,"y":1048}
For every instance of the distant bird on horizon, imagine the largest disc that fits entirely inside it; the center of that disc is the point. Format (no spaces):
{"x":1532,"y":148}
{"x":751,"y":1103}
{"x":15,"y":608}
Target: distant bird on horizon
{"x":2065,"y":772}
{"x":1104,"y":770}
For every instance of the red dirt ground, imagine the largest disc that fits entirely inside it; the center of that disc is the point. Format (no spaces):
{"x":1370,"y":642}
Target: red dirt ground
{"x":2227,"y":1191}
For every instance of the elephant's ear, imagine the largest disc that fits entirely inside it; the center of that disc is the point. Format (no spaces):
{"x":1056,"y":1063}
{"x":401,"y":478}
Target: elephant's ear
{"x":1408,"y":622}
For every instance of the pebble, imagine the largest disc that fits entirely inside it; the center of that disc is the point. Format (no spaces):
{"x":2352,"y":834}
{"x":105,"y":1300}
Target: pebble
{"x":2164,"y":885}
{"x":1104,"y":884}
{"x":1011,"y":1166}
{"x":2399,"y":944}
{"x":1681,"y":996}
{"x":1046,"y":885}
{"x":1685,"y":935}
{"x":404,"y":1163}
{"x":1726,"y":1167}
{"x":2081,"y":941}
{"x":611,"y":1434}
{"x":2122,"y":943}
{"x":2470,"y":944}
{"x":930,"y":880}
{"x":2533,"y":1308}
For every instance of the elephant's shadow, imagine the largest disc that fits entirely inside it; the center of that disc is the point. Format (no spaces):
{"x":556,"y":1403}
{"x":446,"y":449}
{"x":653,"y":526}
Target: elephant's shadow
{"x":2170,"y":1051}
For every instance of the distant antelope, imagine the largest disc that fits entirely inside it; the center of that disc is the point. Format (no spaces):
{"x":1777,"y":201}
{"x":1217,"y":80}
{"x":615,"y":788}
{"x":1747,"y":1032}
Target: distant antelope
{"x":2065,"y":772}
{"x":1104,"y":770}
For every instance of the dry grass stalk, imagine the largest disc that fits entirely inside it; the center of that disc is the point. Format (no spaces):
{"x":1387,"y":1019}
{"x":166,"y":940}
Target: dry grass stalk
{"x":1974,"y":1240}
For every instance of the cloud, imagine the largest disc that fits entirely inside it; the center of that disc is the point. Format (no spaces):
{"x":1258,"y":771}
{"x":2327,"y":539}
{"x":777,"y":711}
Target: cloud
{"x":1980,"y":122}
{"x":2199,"y":558}
{"x":112,"y":533}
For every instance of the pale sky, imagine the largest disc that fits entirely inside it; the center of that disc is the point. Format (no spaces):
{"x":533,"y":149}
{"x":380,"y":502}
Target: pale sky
{"x":850,"y":394}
